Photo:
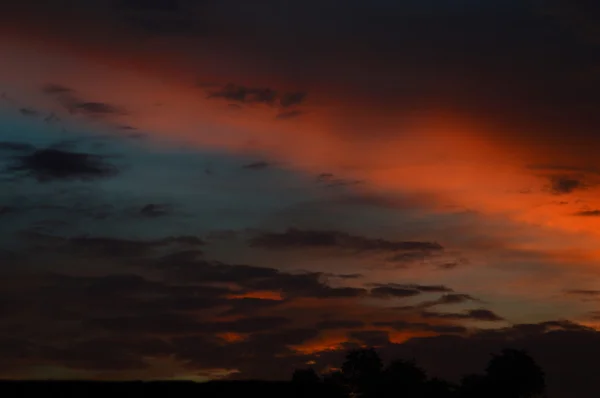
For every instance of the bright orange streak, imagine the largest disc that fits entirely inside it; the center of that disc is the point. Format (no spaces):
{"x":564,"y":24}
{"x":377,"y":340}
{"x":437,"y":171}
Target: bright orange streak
{"x":326,"y":342}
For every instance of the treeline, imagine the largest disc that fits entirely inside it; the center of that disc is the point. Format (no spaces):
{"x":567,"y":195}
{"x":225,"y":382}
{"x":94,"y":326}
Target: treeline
{"x":510,"y":374}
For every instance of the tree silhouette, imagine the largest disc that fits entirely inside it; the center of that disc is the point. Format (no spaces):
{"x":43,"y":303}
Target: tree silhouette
{"x":510,"y":374}
{"x":362,"y":372}
{"x":474,"y":386}
{"x":305,"y":377}
{"x":438,"y":388}
{"x":514,"y":374}
{"x":404,"y":379}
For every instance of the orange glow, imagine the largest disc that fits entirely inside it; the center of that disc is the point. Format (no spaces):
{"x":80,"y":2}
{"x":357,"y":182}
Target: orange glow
{"x":320,"y":344}
{"x":231,"y":337}
{"x":400,"y":337}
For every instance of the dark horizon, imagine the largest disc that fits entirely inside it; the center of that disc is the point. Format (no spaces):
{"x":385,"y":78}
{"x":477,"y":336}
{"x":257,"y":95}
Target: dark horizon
{"x":508,"y":374}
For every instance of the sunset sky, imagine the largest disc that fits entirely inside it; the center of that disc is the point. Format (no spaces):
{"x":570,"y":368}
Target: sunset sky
{"x":203,"y":189}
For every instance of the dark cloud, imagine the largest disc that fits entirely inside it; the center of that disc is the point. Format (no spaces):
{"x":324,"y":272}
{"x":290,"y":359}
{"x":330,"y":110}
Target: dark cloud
{"x":56,"y":164}
{"x":330,"y":181}
{"x":4,"y":210}
{"x":154,"y":210}
{"x":561,"y":185}
{"x":51,"y":118}
{"x":448,"y":299}
{"x":297,"y":239}
{"x":257,"y":165}
{"x":89,"y":246}
{"x":345,"y":276}
{"x":371,"y":338}
{"x":109,"y":354}
{"x":74,"y":104}
{"x":290,"y":99}
{"x":122,"y":246}
{"x":389,"y":292}
{"x":245,"y":95}
{"x":95,"y":108}
{"x":257,"y":95}
{"x":250,"y":325}
{"x":324,"y":177}
{"x":52,"y":88}
{"x":191,"y":268}
{"x":588,"y":213}
{"x":403,"y":326}
{"x":453,"y":264}
{"x":249,"y":305}
{"x":584,"y":292}
{"x":564,"y":168}
{"x":477,"y":314}
{"x":28,"y":112}
{"x":340,"y":324}
{"x":16,"y":146}
{"x":176,"y":325}
{"x":416,"y":287}
{"x":116,"y":322}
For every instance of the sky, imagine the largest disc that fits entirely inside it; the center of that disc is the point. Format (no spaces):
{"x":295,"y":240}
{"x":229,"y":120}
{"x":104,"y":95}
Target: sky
{"x":230,"y":189}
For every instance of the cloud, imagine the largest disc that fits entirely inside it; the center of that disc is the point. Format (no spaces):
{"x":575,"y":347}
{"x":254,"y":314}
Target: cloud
{"x":449,"y":299}
{"x":74,"y":104}
{"x":28,"y":112}
{"x":371,"y":338}
{"x":56,"y":164}
{"x":94,"y":108}
{"x":477,"y":314}
{"x":245,"y":95}
{"x":345,"y":276}
{"x":403,"y":326}
{"x":154,"y":210}
{"x":94,"y":246}
{"x":16,"y":146}
{"x":416,"y":287}
{"x":258,"y":95}
{"x":388,"y":292}
{"x":340,"y":324}
{"x":561,"y":185}
{"x":298,"y":239}
{"x":291,"y":99}
{"x":181,"y":308}
{"x":52,"y":88}
{"x":584,"y":292}
{"x":257,"y":165}
{"x":330,"y":181}
{"x":588,"y":213}
{"x":4,"y":210}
